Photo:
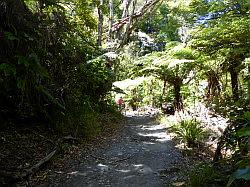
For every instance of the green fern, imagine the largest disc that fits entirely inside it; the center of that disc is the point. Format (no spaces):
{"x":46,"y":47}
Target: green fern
{"x":189,"y":131}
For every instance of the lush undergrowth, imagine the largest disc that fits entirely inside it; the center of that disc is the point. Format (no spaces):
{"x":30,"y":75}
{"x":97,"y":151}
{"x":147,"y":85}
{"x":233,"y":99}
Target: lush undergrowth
{"x":220,"y":152}
{"x":59,"y":60}
{"x":47,"y":71}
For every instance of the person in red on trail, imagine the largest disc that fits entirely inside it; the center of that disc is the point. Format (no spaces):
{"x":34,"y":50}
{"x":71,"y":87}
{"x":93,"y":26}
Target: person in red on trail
{"x":120,"y":103}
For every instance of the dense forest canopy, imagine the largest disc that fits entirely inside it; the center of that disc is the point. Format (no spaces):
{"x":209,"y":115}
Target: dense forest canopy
{"x":59,"y":60}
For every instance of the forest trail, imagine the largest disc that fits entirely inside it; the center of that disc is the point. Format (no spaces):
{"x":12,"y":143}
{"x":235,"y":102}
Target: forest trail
{"x":142,"y":155}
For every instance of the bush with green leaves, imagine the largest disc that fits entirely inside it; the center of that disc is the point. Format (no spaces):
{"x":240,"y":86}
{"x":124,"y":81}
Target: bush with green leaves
{"x":45,"y":70}
{"x":241,"y":157}
{"x":189,"y":131}
{"x":204,"y":175}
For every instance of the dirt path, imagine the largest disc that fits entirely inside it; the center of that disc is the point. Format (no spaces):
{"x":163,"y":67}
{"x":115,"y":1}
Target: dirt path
{"x":142,"y":155}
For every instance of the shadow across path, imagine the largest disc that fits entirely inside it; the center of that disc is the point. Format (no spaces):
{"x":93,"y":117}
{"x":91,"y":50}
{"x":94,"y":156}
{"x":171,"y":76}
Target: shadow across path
{"x":141,"y":156}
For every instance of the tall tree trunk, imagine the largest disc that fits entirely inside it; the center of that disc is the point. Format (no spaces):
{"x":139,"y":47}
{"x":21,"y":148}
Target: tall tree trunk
{"x":234,"y":83}
{"x":248,"y":83}
{"x":164,"y":88}
{"x":151,"y":92}
{"x":111,"y":19}
{"x":100,"y":23}
{"x":177,"y":94}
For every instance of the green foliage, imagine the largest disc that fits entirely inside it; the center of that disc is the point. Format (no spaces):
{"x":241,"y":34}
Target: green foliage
{"x":225,"y":46}
{"x":189,"y":131}
{"x":52,"y":71}
{"x":205,"y":175}
{"x":163,"y":21}
{"x":80,"y":119}
{"x":214,"y":56}
{"x":7,"y":69}
{"x":88,"y":86}
{"x":141,"y":91}
{"x":170,"y":66}
{"x":175,"y":62}
{"x":45,"y":67}
{"x":245,"y":130}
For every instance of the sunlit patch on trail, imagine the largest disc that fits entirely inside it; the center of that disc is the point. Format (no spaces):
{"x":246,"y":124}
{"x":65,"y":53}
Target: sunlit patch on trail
{"x":123,"y":170}
{"x":77,"y":173}
{"x":135,"y":170}
{"x":143,"y":169}
{"x":160,"y":136}
{"x":103,"y":167}
{"x":141,"y":111}
{"x":138,"y":165}
{"x":148,"y":143}
{"x":155,"y":132}
{"x":156,"y":127}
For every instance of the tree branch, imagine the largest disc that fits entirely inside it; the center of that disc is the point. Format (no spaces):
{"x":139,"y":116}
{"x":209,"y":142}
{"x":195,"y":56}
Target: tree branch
{"x":126,"y":34}
{"x":140,"y":12}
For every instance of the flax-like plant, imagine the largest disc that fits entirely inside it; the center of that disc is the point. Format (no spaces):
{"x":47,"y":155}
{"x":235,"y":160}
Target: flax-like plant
{"x":189,"y":131}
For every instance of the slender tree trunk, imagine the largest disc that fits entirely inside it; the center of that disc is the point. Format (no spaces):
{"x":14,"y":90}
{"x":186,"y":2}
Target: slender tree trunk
{"x":226,"y":83}
{"x":234,"y":83}
{"x":111,"y":20}
{"x":152,"y":93}
{"x":248,"y":83}
{"x":248,"y":91}
{"x":177,"y":95}
{"x":100,"y":23}
{"x":164,"y":88}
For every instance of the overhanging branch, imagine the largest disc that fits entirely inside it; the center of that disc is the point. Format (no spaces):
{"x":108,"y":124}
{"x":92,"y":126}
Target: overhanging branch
{"x":140,"y":12}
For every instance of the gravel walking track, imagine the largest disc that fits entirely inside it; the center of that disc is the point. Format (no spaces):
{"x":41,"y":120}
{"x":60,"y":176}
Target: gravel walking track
{"x":142,"y":155}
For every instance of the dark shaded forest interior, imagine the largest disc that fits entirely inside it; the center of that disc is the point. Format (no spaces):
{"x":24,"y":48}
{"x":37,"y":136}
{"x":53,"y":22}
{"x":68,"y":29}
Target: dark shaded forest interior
{"x":64,"y":64}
